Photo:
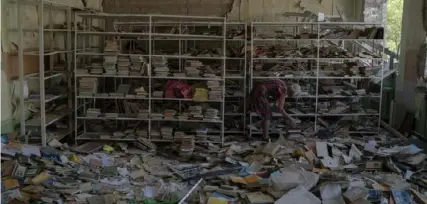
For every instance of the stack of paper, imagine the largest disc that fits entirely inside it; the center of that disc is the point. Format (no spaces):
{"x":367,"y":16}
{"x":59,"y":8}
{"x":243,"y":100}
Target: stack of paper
{"x":215,"y":90}
{"x":187,"y":146}
{"x":179,"y":135}
{"x":96,"y":66}
{"x":82,"y":71}
{"x":157,"y":116}
{"x":135,"y":65}
{"x":192,"y":68}
{"x":142,"y":133}
{"x":111,"y":115}
{"x":88,"y":86}
{"x":183,"y":116}
{"x":179,"y":74}
{"x":166,"y":133}
{"x":143,"y":114}
{"x":155,"y":134}
{"x":110,"y":58}
{"x":202,"y":132}
{"x":93,"y":112}
{"x":158,"y":94}
{"x":196,"y":112}
{"x":211,"y":114}
{"x":169,"y":114}
{"x":160,"y":65}
{"x":141,"y":93}
{"x":123,"y":64}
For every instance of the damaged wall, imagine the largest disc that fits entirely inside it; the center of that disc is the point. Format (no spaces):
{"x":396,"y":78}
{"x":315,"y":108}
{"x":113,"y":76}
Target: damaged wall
{"x":236,"y":10}
{"x":30,"y":21}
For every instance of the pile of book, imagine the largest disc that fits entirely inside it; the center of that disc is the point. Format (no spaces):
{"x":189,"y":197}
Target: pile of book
{"x":123,"y":64}
{"x":96,"y":66}
{"x":158,"y":94}
{"x":135,"y":65}
{"x":196,"y":112}
{"x":179,"y":134}
{"x":187,"y":147}
{"x":167,"y":133}
{"x":202,"y":133}
{"x":93,"y":112}
{"x":192,"y":68}
{"x":143,"y":113}
{"x":157,"y":116}
{"x":82,"y":71}
{"x":111,"y":115}
{"x":141,"y":93}
{"x":169,"y":114}
{"x":142,"y":133}
{"x":183,"y":116}
{"x":211,"y":114}
{"x":88,"y":86}
{"x":110,"y":57}
{"x":160,"y":65}
{"x":179,"y":74}
{"x":215,"y":90}
{"x":155,"y":134}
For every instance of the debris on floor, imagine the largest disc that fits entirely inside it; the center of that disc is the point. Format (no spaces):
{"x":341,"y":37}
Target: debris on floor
{"x":370,"y":169}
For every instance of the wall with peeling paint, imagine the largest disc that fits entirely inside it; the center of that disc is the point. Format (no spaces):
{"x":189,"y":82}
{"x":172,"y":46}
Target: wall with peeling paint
{"x":31,"y":42}
{"x":272,"y":10}
{"x":236,"y":10}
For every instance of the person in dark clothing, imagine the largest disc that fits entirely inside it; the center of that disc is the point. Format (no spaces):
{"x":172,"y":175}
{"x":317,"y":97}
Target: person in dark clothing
{"x":265,"y":93}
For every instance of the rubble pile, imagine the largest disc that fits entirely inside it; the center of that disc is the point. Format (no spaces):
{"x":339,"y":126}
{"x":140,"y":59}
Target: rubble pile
{"x":370,"y":169}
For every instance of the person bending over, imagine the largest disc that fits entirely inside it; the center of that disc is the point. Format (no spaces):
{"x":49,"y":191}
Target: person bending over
{"x":266,"y":93}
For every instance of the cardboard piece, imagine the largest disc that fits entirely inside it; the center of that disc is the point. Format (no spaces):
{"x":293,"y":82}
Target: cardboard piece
{"x":11,"y":68}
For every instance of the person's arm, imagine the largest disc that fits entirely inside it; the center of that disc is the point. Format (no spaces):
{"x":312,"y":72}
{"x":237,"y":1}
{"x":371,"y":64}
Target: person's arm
{"x":280,"y":105}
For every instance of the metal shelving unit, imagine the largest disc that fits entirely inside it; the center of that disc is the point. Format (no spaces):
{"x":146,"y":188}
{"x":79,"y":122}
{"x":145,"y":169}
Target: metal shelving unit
{"x":42,"y":127}
{"x":140,"y":37}
{"x":235,"y":98}
{"x":317,"y":55}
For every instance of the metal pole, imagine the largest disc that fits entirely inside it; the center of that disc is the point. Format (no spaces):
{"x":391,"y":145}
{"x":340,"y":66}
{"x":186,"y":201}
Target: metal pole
{"x":251,"y":67}
{"x":41,"y":74}
{"x":190,"y":192}
{"x":76,"y":93}
{"x":21,"y":72}
{"x":244,"y":77}
{"x":150,"y":31}
{"x":316,"y":114}
{"x":69,"y":69}
{"x":224,"y":34}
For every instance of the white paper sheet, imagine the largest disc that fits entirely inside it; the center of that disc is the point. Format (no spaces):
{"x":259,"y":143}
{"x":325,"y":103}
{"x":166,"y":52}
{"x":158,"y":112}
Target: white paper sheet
{"x":330,"y":191}
{"x":29,"y":150}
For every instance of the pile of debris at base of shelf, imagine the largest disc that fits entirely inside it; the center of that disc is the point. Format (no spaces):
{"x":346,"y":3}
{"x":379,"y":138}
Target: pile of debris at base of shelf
{"x":378,"y":169}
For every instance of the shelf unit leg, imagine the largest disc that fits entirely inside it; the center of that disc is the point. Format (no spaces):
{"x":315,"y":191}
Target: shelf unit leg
{"x":21,"y":72}
{"x":41,"y":75}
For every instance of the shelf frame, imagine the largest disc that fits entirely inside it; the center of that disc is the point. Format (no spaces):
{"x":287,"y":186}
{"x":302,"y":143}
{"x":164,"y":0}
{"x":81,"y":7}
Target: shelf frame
{"x":317,"y":41}
{"x":149,"y":33}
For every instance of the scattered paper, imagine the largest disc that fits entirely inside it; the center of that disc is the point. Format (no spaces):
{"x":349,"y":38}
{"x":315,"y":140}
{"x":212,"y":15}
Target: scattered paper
{"x":123,"y":171}
{"x":322,"y":149}
{"x":298,"y":195}
{"x":150,"y":191}
{"x":355,"y":153}
{"x":115,"y":181}
{"x":331,"y":162}
{"x":330,"y":191}
{"x":29,"y":150}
